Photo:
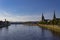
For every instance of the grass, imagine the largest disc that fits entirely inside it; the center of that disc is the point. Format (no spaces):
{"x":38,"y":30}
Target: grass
{"x":53,"y":28}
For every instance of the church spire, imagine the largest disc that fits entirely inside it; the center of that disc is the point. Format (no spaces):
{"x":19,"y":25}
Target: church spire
{"x":42,"y":17}
{"x":54,"y":16}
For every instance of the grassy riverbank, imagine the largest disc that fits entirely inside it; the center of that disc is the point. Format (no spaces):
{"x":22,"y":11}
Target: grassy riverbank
{"x":53,"y":28}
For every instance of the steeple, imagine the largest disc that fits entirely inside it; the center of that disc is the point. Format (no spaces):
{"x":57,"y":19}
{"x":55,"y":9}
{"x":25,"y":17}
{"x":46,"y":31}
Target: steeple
{"x":5,"y":19}
{"x":42,"y":17}
{"x":54,"y":16}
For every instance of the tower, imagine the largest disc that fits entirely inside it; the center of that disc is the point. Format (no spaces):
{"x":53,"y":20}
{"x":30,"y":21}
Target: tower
{"x":42,"y":17}
{"x":5,"y":20}
{"x":54,"y":16}
{"x":54,"y":19}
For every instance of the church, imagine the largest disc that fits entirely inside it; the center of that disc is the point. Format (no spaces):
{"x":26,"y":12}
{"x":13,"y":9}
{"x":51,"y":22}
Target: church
{"x":57,"y":20}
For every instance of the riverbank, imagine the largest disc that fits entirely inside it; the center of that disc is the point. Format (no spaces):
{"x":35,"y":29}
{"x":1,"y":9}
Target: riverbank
{"x":53,"y":28}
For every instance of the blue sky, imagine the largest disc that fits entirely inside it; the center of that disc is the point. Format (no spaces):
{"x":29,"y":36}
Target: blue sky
{"x":28,"y":10}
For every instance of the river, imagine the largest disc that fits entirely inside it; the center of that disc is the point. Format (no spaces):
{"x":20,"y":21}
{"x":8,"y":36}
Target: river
{"x":26,"y":32}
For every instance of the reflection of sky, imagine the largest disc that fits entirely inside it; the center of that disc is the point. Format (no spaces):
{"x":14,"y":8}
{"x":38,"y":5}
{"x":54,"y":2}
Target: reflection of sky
{"x":26,"y":32}
{"x":28,"y":10}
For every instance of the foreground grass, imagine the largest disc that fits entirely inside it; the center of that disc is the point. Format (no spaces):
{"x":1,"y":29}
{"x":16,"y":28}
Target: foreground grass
{"x":53,"y":28}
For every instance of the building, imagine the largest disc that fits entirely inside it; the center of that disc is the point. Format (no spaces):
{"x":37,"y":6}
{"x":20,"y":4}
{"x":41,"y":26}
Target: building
{"x":55,"y":20}
{"x":43,"y":19}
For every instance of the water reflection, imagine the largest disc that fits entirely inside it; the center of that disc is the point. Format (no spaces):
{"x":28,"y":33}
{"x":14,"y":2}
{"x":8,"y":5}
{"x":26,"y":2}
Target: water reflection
{"x":6,"y":27}
{"x":26,"y":32}
{"x":3,"y":33}
{"x":42,"y":32}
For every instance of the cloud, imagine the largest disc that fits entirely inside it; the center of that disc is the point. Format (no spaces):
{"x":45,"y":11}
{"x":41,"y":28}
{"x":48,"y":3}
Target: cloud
{"x":11,"y":17}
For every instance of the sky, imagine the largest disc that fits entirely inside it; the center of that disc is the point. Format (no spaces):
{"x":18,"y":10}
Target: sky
{"x":28,"y":10}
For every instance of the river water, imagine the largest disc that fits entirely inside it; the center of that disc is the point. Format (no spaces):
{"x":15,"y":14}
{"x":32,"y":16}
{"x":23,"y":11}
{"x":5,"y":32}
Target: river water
{"x":26,"y":32}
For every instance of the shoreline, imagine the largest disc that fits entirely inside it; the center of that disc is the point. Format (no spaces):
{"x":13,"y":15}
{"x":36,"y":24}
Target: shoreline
{"x":53,"y":28}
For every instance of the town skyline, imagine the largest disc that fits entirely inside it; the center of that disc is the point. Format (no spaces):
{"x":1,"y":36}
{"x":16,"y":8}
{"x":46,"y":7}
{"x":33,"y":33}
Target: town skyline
{"x":28,"y":10}
{"x":42,"y":17}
